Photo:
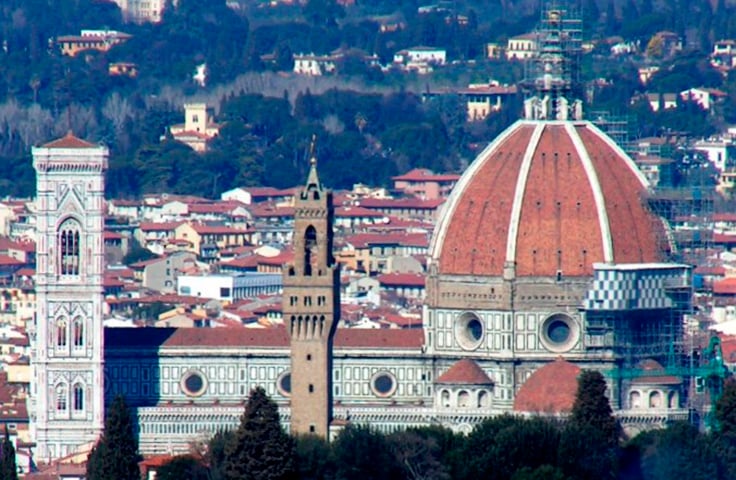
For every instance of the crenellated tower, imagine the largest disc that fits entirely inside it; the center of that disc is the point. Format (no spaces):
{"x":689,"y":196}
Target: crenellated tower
{"x":67,"y":391}
{"x":311,"y":307}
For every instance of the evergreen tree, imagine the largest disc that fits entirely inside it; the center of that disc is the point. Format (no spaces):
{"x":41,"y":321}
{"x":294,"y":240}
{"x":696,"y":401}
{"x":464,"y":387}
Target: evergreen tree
{"x":8,"y":469}
{"x":589,"y":442}
{"x":361,"y":452}
{"x":314,"y":458}
{"x":259,"y":449}
{"x":182,"y":467}
{"x":115,"y":457}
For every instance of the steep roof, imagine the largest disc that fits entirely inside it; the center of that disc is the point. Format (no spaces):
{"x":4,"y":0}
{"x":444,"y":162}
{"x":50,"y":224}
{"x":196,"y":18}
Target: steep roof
{"x":465,"y":372}
{"x":69,"y":141}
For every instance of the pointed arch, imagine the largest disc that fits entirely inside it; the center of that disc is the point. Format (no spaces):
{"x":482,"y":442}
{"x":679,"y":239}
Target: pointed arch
{"x":62,"y":396}
{"x":62,"y":332}
{"x":78,"y":333}
{"x":69,"y":251}
{"x":310,"y":249}
{"x":78,"y":397}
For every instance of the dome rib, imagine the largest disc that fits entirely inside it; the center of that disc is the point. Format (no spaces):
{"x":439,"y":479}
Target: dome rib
{"x":600,"y":202}
{"x":521,"y":181}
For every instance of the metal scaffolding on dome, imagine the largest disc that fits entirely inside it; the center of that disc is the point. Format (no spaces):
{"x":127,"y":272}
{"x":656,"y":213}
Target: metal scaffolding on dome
{"x":555,"y":72}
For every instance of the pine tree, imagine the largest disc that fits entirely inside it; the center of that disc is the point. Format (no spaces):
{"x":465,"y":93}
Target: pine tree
{"x":259,"y":449}
{"x":116,"y":454}
{"x":8,"y":469}
{"x":589,"y":442}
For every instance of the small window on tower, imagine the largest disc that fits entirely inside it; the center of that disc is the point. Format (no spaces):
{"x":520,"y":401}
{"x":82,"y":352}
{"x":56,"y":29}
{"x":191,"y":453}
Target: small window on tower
{"x":310,"y":250}
{"x":78,"y":332}
{"x":61,"y":332}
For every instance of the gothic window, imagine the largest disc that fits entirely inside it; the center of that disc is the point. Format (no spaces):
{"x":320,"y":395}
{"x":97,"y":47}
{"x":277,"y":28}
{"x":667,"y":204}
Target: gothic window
{"x":78,"y":332}
{"x":78,"y":397}
{"x":61,"y":397}
{"x":310,"y":250}
{"x":68,"y":237}
{"x":61,"y":332}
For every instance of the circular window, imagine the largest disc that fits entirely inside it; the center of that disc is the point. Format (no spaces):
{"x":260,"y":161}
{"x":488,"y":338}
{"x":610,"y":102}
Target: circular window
{"x":559,"y":332}
{"x":193,"y":384}
{"x":469,"y":331}
{"x":283,"y":384}
{"x":383,"y":384}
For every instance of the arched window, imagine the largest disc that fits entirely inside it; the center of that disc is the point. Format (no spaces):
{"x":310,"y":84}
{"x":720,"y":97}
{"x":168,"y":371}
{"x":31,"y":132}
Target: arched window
{"x":61,"y":397}
{"x":484,"y":399}
{"x":445,"y":398}
{"x":672,"y":400}
{"x":68,"y":237}
{"x":78,"y":397}
{"x":463,"y":399}
{"x":634,"y":399}
{"x":310,"y":249}
{"x":78,"y":333}
{"x":655,"y":399}
{"x":61,"y":332}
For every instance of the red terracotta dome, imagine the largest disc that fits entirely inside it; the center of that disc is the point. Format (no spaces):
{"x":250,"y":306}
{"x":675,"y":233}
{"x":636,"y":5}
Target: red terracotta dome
{"x":547,"y":197}
{"x":550,"y":389}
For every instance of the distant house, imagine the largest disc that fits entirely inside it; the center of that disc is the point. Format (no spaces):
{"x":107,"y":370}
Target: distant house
{"x":705,"y":97}
{"x":122,"y":69}
{"x":425,"y":184}
{"x":723,"y":55}
{"x":481,"y":99}
{"x":661,"y":101}
{"x":664,"y":44}
{"x":100,"y":40}
{"x":420,"y":59}
{"x":198,"y":127}
{"x":646,"y":73}
{"x":494,"y":51}
{"x":315,"y":65}
{"x":522,"y":47}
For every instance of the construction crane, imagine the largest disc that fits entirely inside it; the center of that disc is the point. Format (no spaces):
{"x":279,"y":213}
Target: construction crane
{"x":710,"y":375}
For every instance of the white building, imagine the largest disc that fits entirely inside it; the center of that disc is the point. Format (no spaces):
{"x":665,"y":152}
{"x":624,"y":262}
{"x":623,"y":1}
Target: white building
{"x":141,"y":11}
{"x":314,"y":65}
{"x":721,"y":152}
{"x":67,"y":391}
{"x":705,"y":97}
{"x":230,"y":287}
{"x":420,"y":59}
{"x":522,"y":47}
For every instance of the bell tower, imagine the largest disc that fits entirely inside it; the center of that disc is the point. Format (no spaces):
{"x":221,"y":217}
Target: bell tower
{"x":67,"y":391}
{"x":311,"y":306}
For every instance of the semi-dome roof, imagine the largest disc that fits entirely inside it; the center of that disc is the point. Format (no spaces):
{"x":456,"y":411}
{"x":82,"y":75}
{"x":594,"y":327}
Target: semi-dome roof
{"x":550,"y":389}
{"x":547,"y":196}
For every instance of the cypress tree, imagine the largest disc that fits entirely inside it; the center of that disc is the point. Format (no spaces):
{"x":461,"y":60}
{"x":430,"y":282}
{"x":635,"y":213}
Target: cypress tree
{"x":115,"y":457}
{"x":592,"y":408}
{"x":259,"y":449}
{"x":8,"y":469}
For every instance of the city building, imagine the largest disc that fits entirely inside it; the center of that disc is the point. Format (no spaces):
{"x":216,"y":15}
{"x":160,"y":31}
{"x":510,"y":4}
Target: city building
{"x":100,"y":40}
{"x":522,"y":47}
{"x":142,"y":11}
{"x":198,"y":127}
{"x":229,"y":287}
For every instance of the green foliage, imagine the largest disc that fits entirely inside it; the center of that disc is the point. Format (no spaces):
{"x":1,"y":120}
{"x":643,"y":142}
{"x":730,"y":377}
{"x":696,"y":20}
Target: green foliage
{"x":362,"y":452}
{"x":183,"y":467}
{"x":314,"y":460}
{"x":589,"y":441}
{"x":8,"y":468}
{"x":500,"y":446}
{"x":216,"y":457}
{"x":665,"y":454}
{"x":259,"y":448}
{"x":116,"y":453}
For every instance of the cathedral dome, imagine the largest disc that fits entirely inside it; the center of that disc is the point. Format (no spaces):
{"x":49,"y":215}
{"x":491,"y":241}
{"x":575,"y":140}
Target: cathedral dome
{"x":547,"y":197}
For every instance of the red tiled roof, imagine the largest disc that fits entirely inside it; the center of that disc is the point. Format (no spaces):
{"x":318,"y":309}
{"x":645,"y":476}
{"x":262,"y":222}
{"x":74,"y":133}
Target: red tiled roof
{"x":276,"y":337}
{"x":401,"y":203}
{"x":402,"y":279}
{"x":108,"y":235}
{"x":217,"y":230}
{"x":8,"y":261}
{"x":465,"y":372}
{"x":550,"y":389}
{"x":69,"y":141}
{"x":425,"y":175}
{"x":727,"y":286}
{"x":356,"y":212}
{"x":159,"y":226}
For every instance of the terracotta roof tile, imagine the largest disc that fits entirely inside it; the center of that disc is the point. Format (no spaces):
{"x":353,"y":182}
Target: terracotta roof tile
{"x":69,"y":141}
{"x":550,"y":389}
{"x":465,"y":372}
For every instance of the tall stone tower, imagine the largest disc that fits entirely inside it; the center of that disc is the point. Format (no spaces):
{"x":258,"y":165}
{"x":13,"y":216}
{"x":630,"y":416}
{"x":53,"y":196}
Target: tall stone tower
{"x":67,"y":392}
{"x":311,"y":307}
